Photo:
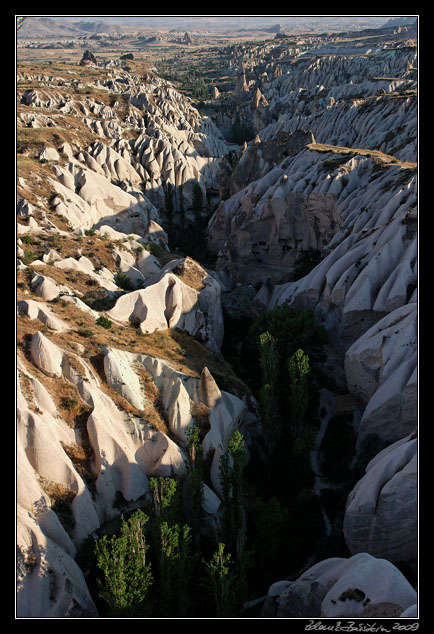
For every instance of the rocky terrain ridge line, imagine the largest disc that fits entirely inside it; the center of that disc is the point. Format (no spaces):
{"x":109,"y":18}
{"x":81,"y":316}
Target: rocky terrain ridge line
{"x":119,"y":339}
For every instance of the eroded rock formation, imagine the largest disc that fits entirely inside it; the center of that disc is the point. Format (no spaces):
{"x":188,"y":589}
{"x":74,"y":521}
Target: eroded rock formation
{"x":88,"y":431}
{"x":356,"y":587}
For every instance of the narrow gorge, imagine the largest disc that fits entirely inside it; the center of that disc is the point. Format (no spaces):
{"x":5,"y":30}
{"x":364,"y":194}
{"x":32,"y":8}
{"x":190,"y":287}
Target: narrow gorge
{"x":217,"y":323}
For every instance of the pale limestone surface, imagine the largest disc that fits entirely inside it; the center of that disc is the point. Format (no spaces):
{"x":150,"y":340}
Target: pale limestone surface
{"x":46,"y":288}
{"x":170,"y":303}
{"x":46,"y":355}
{"x":53,"y":568}
{"x":339,"y":587}
{"x":381,"y":515}
{"x":381,"y":370}
{"x":40,"y":310}
{"x":330,"y":102}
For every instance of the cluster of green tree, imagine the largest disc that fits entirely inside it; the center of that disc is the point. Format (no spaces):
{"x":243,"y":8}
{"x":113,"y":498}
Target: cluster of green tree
{"x":162,"y":563}
{"x":280,"y":360}
{"x":271,"y":520}
{"x":289,"y":344}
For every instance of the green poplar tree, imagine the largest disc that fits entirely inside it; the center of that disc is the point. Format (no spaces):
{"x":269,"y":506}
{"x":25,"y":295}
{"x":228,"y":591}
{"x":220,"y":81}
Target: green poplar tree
{"x":176,"y":568}
{"x":126,"y":574}
{"x":172,"y":547}
{"x":193,"y":485}
{"x":222,"y":582}
{"x":298,"y":367}
{"x":268,"y":399}
{"x":232,"y":464}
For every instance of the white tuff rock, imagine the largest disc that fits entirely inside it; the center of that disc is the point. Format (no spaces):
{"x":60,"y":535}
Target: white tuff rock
{"x":381,"y":514}
{"x":339,"y":587}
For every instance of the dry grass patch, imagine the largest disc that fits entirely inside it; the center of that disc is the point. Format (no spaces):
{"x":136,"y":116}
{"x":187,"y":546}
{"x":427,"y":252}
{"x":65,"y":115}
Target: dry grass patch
{"x":386,"y":159}
{"x":61,"y":498}
{"x":153,"y":411}
{"x":68,"y":129}
{"x":191,"y":273}
{"x":200,"y":413}
{"x":76,"y":280}
{"x":36,"y":175}
{"x":82,"y":457}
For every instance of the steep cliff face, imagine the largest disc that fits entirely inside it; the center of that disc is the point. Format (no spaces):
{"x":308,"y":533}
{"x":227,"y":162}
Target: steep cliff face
{"x":259,"y":234}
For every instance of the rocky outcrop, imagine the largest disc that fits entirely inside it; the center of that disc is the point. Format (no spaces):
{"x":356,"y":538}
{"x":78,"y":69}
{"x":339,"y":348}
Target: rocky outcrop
{"x":169,"y":302}
{"x":382,"y":510}
{"x":350,"y":93}
{"x":241,"y":91}
{"x":259,"y":157}
{"x":381,"y":371}
{"x":40,"y":310}
{"x":88,"y":59}
{"x":87,"y":198}
{"x":337,"y":588}
{"x":260,"y":231}
{"x":172,"y":144}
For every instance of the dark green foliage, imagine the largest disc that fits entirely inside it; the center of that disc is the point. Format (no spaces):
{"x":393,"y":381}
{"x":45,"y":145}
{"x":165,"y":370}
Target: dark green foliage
{"x":268,"y":357}
{"x":222,"y":581}
{"x":104,"y":322}
{"x":268,"y":399}
{"x":268,"y":538}
{"x":292,"y":328}
{"x":126,"y":574}
{"x":193,"y":485}
{"x":165,"y":500}
{"x":288,"y":516}
{"x":232,"y":464}
{"x":85,"y":332}
{"x":122,"y":280}
{"x":175,"y":569}
{"x":290,"y":345}
{"x":298,"y":366}
{"x":305,"y":262}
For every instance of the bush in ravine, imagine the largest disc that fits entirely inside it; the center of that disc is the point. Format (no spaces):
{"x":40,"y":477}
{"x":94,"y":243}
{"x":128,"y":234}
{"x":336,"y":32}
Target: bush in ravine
{"x":104,"y":322}
{"x":305,"y":262}
{"x":123,"y":281}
